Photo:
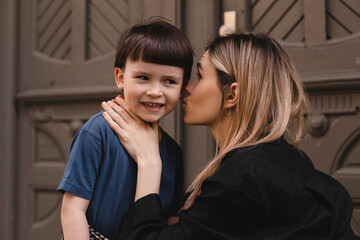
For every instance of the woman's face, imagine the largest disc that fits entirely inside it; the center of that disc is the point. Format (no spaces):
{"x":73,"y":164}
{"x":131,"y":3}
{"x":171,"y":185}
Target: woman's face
{"x":203,"y":105}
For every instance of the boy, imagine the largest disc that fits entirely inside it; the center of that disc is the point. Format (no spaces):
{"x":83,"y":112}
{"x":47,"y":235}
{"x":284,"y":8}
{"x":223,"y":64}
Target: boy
{"x":152,"y":66}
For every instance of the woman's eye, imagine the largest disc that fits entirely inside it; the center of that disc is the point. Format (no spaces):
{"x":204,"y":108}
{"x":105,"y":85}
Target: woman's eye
{"x":170,"y":81}
{"x":198,"y":75}
{"x":143,"y":77}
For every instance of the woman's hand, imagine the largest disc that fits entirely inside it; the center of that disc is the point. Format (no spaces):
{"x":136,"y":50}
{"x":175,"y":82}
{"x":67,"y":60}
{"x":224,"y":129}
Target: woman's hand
{"x":140,"y":139}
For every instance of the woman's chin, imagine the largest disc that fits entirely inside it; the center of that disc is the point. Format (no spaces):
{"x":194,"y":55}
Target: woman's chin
{"x":188,"y":121}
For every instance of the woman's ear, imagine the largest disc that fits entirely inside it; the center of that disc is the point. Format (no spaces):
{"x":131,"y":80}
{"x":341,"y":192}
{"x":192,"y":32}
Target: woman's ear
{"x":119,"y":78}
{"x":232,"y":96}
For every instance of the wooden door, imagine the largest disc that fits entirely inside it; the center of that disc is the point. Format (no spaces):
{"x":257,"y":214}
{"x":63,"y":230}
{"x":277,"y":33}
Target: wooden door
{"x":323,"y":38}
{"x":66,"y":56}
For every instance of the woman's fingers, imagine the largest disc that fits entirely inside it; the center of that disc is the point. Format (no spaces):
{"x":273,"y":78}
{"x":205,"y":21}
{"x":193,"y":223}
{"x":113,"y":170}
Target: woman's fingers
{"x":115,"y":115}
{"x":114,"y":126}
{"x":117,"y":112}
{"x":132,"y":131}
{"x":122,"y":103}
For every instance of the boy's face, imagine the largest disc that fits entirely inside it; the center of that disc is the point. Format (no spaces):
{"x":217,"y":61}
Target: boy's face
{"x":150,"y":90}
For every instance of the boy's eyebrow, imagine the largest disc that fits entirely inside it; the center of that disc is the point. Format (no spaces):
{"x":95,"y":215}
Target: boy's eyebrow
{"x":140,"y":72}
{"x":174,"y":77}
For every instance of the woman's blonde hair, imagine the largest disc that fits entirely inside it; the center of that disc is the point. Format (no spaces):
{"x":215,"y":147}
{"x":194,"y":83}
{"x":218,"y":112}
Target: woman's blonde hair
{"x":270,"y":94}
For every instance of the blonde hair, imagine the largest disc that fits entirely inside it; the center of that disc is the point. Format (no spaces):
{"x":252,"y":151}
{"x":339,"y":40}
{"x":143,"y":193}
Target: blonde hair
{"x":270,"y":94}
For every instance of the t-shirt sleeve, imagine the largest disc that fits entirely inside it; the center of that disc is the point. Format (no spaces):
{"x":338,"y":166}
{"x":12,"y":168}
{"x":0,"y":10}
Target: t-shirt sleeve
{"x":83,"y":165}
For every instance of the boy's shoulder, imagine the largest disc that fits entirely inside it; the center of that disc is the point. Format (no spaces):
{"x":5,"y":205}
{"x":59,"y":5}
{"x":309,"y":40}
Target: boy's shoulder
{"x":96,"y":126}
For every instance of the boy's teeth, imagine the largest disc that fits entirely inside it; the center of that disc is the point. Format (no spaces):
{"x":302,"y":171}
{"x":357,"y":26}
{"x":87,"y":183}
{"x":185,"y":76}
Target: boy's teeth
{"x":152,"y":105}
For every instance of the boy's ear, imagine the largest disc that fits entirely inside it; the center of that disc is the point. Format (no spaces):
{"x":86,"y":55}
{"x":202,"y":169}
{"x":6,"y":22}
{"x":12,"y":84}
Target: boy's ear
{"x":119,"y":78}
{"x":233,"y":95}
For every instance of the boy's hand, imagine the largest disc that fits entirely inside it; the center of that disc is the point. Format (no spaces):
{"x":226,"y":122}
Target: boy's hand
{"x":139,"y":138}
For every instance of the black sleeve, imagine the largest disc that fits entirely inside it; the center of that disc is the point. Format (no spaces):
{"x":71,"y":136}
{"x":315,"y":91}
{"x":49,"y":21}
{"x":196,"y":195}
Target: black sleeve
{"x":228,"y":207}
{"x":144,"y":220}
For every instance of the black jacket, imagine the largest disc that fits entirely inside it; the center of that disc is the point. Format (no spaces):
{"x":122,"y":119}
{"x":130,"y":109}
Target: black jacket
{"x":268,"y":191}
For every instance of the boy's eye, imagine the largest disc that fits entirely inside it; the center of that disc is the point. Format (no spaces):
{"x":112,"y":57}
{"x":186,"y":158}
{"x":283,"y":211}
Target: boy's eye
{"x":170,"y":81}
{"x":198,"y":75}
{"x":143,"y":78}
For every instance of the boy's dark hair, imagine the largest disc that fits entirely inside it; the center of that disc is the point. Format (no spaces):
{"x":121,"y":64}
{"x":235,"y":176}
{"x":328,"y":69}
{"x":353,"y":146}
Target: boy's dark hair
{"x":156,"y":41}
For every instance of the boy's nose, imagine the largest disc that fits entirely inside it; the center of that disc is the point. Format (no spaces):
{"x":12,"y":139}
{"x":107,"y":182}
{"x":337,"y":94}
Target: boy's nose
{"x":154,"y":91}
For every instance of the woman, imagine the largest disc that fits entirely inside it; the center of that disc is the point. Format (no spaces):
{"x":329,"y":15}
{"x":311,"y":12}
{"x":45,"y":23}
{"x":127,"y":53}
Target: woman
{"x":258,"y":186}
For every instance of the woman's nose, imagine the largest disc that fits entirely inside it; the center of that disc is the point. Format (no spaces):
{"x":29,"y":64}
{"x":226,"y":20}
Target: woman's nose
{"x":190,"y":87}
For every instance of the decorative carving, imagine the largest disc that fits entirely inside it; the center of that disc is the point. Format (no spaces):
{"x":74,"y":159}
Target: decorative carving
{"x":319,"y":125}
{"x":347,"y":159}
{"x":340,"y":18}
{"x":64,"y":111}
{"x":53,"y":25}
{"x":46,"y":204}
{"x":283,"y":19}
{"x":334,"y":104}
{"x":46,"y":148}
{"x":75,"y":125}
{"x":74,"y":111}
{"x":37,"y":112}
{"x":105,"y":21}
{"x":72,"y":114}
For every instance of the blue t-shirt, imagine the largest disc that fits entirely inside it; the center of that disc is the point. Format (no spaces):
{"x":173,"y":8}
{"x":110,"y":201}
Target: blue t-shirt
{"x":100,"y":170}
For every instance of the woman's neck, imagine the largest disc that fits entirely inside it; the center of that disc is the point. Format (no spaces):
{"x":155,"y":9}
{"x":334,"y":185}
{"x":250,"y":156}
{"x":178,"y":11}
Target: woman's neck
{"x":220,"y":131}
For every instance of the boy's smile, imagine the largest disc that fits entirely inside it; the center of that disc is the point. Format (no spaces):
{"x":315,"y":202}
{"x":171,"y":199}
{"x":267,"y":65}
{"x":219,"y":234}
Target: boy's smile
{"x":152,"y":106}
{"x":150,"y":90}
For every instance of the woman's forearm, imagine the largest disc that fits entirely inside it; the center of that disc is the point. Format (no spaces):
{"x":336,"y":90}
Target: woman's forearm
{"x":148,"y":177}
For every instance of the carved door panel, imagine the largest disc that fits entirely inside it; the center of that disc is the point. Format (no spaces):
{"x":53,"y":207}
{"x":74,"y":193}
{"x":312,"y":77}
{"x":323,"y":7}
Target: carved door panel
{"x":43,"y":147}
{"x":323,"y":38}
{"x":66,"y":55}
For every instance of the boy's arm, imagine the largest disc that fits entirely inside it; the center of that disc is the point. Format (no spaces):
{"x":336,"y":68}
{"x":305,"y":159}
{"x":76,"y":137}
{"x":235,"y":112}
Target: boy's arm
{"x":73,"y":217}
